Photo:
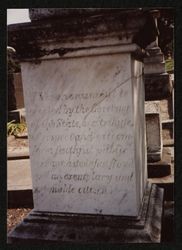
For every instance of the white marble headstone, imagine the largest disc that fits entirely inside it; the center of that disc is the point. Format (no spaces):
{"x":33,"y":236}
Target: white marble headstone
{"x":86,"y":131}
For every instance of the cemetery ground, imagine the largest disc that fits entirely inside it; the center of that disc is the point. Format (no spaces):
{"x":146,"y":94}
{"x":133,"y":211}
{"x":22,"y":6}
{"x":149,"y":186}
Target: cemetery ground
{"x":15,"y":216}
{"x":17,"y":148}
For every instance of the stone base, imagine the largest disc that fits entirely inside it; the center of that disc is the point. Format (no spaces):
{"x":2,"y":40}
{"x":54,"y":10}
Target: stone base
{"x":47,"y":228}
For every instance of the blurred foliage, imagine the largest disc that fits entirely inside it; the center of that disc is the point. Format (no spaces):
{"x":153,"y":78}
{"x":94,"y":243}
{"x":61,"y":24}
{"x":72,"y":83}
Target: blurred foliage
{"x":15,"y":128}
{"x":169,"y":64}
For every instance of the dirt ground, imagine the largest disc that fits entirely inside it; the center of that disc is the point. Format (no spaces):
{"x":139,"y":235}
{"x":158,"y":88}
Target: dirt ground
{"x":15,"y":216}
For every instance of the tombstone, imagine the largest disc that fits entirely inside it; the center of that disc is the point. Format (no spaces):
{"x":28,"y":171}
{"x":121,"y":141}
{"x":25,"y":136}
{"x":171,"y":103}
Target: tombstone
{"x":157,"y":165}
{"x":84,"y":99}
{"x":153,"y":131}
{"x":167,"y":117}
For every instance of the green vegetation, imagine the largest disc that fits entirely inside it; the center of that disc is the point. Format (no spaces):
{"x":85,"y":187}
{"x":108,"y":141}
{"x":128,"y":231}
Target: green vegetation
{"x":15,"y":128}
{"x":169,"y":64}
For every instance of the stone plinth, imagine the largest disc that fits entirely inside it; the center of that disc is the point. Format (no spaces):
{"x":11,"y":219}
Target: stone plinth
{"x":50,"y":228}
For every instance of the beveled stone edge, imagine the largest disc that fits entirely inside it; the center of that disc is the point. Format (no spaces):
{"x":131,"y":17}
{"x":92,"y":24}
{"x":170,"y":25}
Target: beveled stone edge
{"x":89,"y":52}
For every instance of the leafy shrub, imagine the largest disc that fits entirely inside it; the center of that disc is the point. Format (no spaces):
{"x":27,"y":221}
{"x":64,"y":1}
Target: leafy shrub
{"x":169,"y":64}
{"x":15,"y":128}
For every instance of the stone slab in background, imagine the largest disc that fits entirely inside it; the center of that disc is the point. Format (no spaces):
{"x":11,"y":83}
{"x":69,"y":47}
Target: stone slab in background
{"x":18,"y":154}
{"x":19,"y":175}
{"x":18,"y":146}
{"x":164,"y":167}
{"x":157,"y":57}
{"x":153,"y":131}
{"x":153,"y":67}
{"x":152,"y":107}
{"x":154,"y":64}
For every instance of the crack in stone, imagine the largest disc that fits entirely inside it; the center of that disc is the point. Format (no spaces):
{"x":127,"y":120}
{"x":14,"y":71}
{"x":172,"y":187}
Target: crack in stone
{"x":99,"y":102}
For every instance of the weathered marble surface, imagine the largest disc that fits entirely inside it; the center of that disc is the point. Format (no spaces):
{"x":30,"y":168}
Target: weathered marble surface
{"x":86,"y":156}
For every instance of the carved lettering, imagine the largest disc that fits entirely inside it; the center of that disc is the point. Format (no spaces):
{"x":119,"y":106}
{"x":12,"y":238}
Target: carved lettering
{"x":79,"y":149}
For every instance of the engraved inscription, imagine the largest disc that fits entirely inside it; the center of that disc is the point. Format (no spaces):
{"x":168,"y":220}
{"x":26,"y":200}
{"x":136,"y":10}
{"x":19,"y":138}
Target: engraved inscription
{"x":79,"y":149}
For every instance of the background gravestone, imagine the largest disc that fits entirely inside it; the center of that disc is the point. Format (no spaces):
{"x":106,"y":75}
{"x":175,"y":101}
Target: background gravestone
{"x":154,"y":131}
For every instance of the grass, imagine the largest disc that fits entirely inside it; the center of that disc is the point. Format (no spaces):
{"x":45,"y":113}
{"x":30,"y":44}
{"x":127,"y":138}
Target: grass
{"x":169,"y":64}
{"x":15,"y":128}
